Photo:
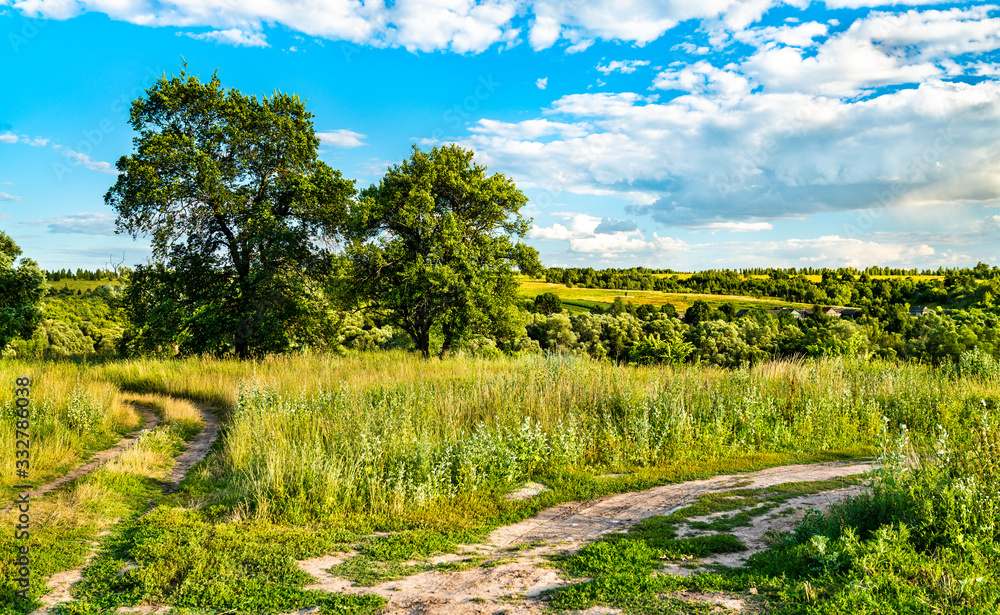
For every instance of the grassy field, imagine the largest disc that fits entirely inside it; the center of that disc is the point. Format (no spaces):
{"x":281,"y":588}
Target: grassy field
{"x":816,"y":278}
{"x":318,"y":452}
{"x":81,"y":285}
{"x":580,"y":299}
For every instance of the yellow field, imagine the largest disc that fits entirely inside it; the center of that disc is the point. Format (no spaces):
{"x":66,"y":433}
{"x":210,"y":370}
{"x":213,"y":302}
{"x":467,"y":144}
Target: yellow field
{"x":681,"y":301}
{"x":812,"y":278}
{"x":81,"y":285}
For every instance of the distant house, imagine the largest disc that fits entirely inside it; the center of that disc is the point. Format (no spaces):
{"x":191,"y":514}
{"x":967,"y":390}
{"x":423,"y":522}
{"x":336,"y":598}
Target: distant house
{"x":786,"y":310}
{"x":920,"y":311}
{"x":742,"y":313}
{"x":850,"y":313}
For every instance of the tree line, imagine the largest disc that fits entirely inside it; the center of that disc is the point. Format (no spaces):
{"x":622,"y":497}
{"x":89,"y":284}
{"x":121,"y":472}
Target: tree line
{"x":978,"y":286}
{"x":260,"y":247}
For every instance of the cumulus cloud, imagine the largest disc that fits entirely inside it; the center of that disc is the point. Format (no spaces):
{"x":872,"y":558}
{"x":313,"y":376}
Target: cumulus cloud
{"x":341,"y":138}
{"x":83,"y":160}
{"x":739,"y":227}
{"x":622,"y":66}
{"x":232,"y":36}
{"x":704,"y":78}
{"x":878,"y":50}
{"x":463,"y":26}
{"x":591,"y":235}
{"x":529,"y":129}
{"x":806,"y":122}
{"x":829,"y":250}
{"x":10,"y":137}
{"x":542,"y":83}
{"x":83,"y":223}
{"x":612,"y":225}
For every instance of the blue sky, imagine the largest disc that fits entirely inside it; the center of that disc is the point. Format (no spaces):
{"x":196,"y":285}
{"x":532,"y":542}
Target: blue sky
{"x":689,"y":134}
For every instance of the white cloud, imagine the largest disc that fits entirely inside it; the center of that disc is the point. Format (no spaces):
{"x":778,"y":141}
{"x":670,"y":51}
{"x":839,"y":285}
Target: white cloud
{"x":583,"y":45}
{"x":623,"y":66}
{"x":84,"y":160}
{"x":459,"y":25}
{"x":542,"y":83}
{"x":588,"y":234}
{"x":701,"y":158}
{"x":10,"y":137}
{"x":83,"y":223}
{"x":826,"y":251}
{"x":801,"y":35}
{"x":8,"y":197}
{"x":878,"y":50}
{"x":233,"y":36}
{"x":529,"y":129}
{"x":703,"y":78}
{"x":341,"y":138}
{"x":739,"y":227}
{"x":462,"y":26}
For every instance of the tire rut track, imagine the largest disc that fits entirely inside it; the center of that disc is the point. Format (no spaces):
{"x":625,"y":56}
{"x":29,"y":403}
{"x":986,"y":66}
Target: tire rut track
{"x":198,"y":448}
{"x":151,"y":421}
{"x":562,"y":529}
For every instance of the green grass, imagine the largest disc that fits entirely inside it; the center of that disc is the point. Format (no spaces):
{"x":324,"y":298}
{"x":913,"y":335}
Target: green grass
{"x":73,"y":414}
{"x":579,"y":298}
{"x":336,"y":448}
{"x":81,"y":285}
{"x":625,"y":568}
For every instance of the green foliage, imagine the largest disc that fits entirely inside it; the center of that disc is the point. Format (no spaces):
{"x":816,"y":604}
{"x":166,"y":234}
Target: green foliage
{"x":548,"y":304}
{"x":75,"y":326}
{"x":975,"y":362}
{"x":430,"y":246}
{"x":22,"y":288}
{"x":233,"y":193}
{"x":181,"y":559}
{"x":922,"y":539}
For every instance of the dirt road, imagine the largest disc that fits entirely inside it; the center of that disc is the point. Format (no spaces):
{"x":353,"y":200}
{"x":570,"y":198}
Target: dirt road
{"x":512,"y":578}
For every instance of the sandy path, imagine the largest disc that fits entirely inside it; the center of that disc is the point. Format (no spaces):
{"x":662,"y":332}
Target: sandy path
{"x":514,"y":583}
{"x":150,"y":421}
{"x":61,"y":582}
{"x":197,"y":449}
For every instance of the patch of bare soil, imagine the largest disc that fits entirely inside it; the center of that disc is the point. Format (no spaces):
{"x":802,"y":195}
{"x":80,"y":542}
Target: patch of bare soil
{"x":722,"y":602}
{"x":784,"y":518}
{"x":528,"y":491}
{"x":196,"y":451}
{"x":513,"y":577}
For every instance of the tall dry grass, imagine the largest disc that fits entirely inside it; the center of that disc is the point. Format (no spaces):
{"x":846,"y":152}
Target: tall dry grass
{"x":380,"y":433}
{"x":72,"y":413}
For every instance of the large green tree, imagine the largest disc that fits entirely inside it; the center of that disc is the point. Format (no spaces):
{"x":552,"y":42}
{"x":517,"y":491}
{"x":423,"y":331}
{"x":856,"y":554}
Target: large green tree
{"x":22,"y":288}
{"x":431,"y":246}
{"x":242,"y":215}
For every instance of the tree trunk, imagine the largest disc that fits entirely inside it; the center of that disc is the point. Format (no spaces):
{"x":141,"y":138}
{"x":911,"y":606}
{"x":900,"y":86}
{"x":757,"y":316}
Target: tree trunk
{"x":241,"y":341}
{"x":424,"y":342}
